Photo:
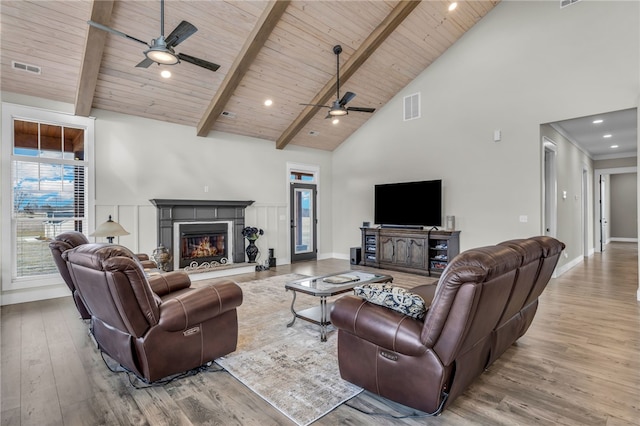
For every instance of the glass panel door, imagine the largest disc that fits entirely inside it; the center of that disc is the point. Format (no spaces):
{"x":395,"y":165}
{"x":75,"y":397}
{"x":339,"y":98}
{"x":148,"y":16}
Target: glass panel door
{"x":303,"y":222}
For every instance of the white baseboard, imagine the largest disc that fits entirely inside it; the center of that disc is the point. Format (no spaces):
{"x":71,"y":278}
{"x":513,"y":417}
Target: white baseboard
{"x":623,"y":240}
{"x":341,"y":256}
{"x":564,"y":268}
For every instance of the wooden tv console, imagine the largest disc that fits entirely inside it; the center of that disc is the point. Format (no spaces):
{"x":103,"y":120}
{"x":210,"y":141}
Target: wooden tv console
{"x":417,"y":251}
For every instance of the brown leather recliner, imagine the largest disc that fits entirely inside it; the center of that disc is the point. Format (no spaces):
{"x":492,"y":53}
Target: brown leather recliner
{"x":157,"y":326}
{"x":68,"y":240}
{"x":484,"y":301}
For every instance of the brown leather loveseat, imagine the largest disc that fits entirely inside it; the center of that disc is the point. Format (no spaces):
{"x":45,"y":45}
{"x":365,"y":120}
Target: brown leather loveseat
{"x":484,"y":301}
{"x":154,"y":326}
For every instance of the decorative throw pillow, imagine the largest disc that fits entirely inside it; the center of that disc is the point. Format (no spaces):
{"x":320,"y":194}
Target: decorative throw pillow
{"x":391,"y":297}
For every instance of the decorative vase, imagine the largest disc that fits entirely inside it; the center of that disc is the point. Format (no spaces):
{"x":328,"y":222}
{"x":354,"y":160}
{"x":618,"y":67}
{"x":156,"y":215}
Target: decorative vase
{"x":252,"y":251}
{"x":162,"y":257}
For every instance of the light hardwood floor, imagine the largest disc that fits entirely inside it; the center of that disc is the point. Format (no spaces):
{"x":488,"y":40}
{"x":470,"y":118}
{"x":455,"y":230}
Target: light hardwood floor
{"x":579,"y":364}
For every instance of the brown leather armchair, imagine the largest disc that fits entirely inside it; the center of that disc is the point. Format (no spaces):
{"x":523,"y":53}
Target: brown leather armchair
{"x":154,"y":326}
{"x":484,"y":301}
{"x":68,"y":240}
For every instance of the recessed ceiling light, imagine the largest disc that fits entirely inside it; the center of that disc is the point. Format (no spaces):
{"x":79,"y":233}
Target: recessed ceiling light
{"x":608,"y":135}
{"x":614,"y":146}
{"x":453,"y":6}
{"x":165,"y":73}
{"x":597,"y":121}
{"x":268,"y":102}
{"x":336,"y":121}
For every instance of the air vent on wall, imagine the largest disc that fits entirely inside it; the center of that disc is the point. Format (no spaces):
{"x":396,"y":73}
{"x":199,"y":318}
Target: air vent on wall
{"x":565,"y":3}
{"x":412,"y":106}
{"x":228,"y":114}
{"x":26,"y":67}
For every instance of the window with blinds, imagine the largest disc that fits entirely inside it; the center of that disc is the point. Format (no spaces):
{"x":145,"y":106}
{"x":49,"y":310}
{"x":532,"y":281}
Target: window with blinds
{"x":48,"y":172}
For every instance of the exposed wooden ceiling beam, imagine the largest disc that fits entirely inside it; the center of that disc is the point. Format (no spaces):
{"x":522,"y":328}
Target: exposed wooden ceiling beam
{"x":366,"y":49}
{"x":92,"y":57}
{"x":266,"y":23}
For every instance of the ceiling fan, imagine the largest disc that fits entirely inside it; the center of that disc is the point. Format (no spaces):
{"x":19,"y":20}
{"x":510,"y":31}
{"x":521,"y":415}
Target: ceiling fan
{"x":339,"y":106}
{"x":161,"y":49}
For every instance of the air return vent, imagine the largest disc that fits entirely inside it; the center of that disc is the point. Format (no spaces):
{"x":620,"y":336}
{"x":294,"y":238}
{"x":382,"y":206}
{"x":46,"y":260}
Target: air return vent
{"x":412,"y":106}
{"x":565,"y":3}
{"x":26,"y":67}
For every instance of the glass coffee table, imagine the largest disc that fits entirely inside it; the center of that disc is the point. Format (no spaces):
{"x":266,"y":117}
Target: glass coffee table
{"x":325,"y":286}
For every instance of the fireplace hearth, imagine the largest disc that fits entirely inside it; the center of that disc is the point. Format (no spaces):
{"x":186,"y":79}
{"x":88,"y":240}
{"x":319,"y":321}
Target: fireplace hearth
{"x":174,"y":214}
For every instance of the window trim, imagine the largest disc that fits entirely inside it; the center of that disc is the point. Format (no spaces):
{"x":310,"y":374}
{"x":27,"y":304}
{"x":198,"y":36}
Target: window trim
{"x":11,"y":112}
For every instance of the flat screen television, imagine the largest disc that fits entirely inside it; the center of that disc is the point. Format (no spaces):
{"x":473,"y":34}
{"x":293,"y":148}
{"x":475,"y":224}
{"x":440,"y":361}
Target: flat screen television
{"x":408,"y":204}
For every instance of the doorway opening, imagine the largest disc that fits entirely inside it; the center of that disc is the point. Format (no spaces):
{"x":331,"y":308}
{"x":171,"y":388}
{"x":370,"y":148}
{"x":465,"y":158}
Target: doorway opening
{"x":549,"y":188}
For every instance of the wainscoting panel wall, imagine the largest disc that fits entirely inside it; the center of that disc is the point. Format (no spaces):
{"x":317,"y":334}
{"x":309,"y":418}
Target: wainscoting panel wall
{"x":272,"y":218}
{"x":141,"y":223}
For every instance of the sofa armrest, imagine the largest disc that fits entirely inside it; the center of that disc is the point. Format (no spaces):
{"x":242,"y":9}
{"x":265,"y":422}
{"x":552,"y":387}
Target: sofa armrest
{"x":199,"y":305}
{"x":378,"y":325}
{"x":142,"y":256}
{"x":148,"y":264}
{"x":168,"y":282}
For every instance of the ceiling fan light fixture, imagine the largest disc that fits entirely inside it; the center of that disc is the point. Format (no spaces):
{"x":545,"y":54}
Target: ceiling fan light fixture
{"x":338,"y":112}
{"x":159,"y":52}
{"x":162,"y":56}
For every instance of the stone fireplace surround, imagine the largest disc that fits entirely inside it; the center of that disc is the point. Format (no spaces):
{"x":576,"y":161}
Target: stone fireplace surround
{"x":175,"y":211}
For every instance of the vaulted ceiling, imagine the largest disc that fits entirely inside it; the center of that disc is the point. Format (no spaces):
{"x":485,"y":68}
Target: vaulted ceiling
{"x":278,"y":50}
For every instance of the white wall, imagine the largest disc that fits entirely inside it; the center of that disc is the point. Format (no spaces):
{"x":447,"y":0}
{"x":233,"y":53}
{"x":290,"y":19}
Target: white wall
{"x":524,"y":64}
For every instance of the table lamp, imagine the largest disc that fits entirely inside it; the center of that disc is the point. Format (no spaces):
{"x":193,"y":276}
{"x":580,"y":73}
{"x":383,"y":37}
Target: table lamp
{"x":109,"y":229}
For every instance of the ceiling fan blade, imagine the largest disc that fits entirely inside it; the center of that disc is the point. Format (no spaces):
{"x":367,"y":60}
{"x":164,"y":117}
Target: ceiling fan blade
{"x":316,"y":105}
{"x":183,"y":31}
{"x":116,"y":32}
{"x":197,"y":61}
{"x":346,"y":98}
{"x":361,"y":109}
{"x":146,"y":62}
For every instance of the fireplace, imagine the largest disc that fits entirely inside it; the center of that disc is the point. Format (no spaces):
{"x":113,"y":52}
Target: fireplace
{"x":172,"y":214}
{"x":202,"y":242}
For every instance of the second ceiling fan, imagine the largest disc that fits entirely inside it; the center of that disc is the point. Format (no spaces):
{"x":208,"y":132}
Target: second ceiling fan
{"x":339,"y":106}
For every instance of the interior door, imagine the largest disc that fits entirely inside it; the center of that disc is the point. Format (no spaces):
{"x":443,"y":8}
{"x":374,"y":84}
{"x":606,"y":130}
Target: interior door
{"x":303,"y":222}
{"x":603,"y":209}
{"x":550,"y":189}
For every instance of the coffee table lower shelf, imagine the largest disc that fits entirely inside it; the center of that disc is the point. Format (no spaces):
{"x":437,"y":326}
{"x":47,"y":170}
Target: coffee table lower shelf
{"x":313,"y":315}
{"x":316,"y":286}
{"x":317,"y":315}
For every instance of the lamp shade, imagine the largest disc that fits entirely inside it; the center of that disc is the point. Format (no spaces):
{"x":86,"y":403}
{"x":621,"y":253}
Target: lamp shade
{"x":109,"y":229}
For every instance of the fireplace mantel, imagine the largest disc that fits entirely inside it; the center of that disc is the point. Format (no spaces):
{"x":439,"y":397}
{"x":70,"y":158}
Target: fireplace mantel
{"x":176,"y":210}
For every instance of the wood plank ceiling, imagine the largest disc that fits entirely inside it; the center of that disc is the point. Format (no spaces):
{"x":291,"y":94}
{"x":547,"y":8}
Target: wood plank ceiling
{"x":266,"y":50}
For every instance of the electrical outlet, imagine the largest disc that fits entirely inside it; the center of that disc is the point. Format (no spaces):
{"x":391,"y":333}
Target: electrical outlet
{"x":524,"y":218}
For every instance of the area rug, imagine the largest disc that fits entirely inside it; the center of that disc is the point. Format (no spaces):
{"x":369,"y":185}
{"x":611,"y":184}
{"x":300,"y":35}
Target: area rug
{"x":289,"y":367}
